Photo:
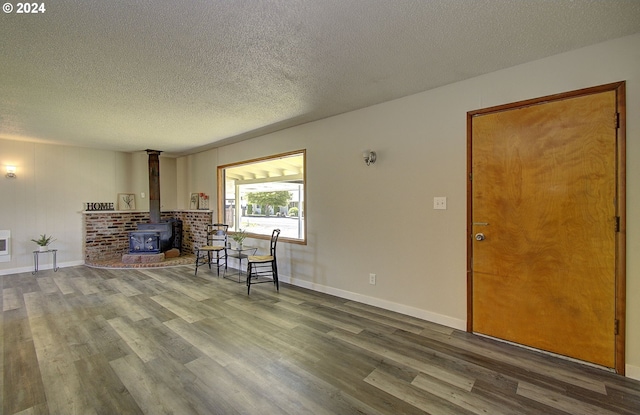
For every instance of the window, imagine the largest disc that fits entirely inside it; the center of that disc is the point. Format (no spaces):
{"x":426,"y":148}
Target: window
{"x":261,"y":195}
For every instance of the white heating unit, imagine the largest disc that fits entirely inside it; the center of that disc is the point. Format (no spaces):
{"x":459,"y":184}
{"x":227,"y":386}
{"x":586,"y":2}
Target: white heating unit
{"x":5,"y":246}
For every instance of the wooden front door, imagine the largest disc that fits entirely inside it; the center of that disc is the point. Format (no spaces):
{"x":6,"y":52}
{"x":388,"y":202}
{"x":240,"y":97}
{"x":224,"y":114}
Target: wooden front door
{"x":545,"y":211}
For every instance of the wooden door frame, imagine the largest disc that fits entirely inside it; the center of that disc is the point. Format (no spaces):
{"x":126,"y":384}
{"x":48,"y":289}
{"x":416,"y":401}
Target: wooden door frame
{"x":620,"y":262}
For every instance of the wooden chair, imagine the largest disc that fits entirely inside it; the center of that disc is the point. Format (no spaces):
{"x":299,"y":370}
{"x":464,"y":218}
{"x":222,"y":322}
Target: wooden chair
{"x":216,"y":241}
{"x":264,"y":266}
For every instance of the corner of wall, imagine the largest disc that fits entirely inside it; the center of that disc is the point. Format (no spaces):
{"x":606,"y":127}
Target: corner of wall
{"x":632,"y":372}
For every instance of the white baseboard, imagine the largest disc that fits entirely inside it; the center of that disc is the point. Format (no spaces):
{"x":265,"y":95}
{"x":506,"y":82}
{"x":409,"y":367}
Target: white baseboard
{"x":377,"y":302}
{"x":40,"y":268}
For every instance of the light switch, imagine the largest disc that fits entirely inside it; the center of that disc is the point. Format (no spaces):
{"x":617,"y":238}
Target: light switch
{"x":440,"y":202}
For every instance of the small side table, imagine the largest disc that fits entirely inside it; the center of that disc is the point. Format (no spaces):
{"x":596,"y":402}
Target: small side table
{"x":238,"y":253}
{"x":54,"y":252}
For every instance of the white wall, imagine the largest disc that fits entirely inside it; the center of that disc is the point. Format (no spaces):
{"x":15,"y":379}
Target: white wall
{"x":379,"y":219}
{"x":197,"y":174}
{"x":137,"y":181}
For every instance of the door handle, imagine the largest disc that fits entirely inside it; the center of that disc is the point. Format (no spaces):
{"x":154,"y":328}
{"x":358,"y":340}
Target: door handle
{"x":480,"y":237}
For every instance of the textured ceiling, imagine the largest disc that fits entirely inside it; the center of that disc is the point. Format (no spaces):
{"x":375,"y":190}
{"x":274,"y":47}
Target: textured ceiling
{"x":181,"y":76}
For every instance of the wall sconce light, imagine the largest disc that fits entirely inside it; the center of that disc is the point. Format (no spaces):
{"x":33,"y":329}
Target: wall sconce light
{"x":11,"y":172}
{"x":369,"y":157}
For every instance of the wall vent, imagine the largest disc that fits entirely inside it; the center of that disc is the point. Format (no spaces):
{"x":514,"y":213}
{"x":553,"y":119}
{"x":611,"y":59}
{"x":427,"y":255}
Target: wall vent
{"x":5,"y":246}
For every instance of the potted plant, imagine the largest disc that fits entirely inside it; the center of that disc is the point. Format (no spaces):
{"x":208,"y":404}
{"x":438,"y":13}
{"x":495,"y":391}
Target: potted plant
{"x":44,"y":241}
{"x":239,"y":237}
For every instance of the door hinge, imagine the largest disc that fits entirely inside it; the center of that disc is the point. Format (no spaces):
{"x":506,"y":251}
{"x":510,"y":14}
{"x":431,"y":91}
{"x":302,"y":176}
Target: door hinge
{"x":617,"y":120}
{"x":617,"y":223}
{"x":616,"y":327}
{"x":470,"y":176}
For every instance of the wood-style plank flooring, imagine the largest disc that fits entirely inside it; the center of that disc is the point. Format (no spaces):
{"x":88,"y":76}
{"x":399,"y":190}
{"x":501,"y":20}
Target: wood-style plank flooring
{"x":163,"y":341}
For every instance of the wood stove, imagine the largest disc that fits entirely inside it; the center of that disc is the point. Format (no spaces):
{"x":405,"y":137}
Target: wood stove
{"x":156,"y":237}
{"x":141,"y":242}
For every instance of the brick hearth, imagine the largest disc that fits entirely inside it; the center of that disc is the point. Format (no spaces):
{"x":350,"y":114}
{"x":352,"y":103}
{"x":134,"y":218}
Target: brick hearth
{"x":106,"y":234}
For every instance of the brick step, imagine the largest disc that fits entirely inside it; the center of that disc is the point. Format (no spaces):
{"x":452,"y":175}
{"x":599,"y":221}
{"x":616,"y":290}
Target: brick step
{"x":142,"y":258}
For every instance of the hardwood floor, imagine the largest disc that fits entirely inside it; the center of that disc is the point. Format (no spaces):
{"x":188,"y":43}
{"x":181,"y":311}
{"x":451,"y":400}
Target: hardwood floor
{"x":162,"y":341}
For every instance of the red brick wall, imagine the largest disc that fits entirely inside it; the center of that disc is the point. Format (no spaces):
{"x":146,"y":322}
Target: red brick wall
{"x":106,"y":234}
{"x":194,"y":227}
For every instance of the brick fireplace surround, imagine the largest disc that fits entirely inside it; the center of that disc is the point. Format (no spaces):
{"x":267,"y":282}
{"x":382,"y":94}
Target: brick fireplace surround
{"x":106,"y":233}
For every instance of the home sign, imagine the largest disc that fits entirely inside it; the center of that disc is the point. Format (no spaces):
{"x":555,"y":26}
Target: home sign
{"x":97,"y":206}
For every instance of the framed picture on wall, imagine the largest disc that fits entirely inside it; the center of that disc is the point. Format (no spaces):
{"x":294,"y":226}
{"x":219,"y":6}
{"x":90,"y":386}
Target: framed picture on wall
{"x":193,"y":201}
{"x":126,"y":201}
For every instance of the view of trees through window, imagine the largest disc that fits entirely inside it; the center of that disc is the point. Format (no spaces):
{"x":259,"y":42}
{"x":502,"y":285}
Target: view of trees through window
{"x":265,"y":194}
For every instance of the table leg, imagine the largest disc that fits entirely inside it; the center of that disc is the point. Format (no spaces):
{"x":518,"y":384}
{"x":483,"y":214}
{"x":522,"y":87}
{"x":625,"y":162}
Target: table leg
{"x":55,"y":261}
{"x":35,"y":263}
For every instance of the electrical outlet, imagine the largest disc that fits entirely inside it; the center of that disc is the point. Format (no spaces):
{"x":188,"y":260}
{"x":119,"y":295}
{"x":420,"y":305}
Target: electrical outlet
{"x":440,"y":202}
{"x":372,"y":279}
